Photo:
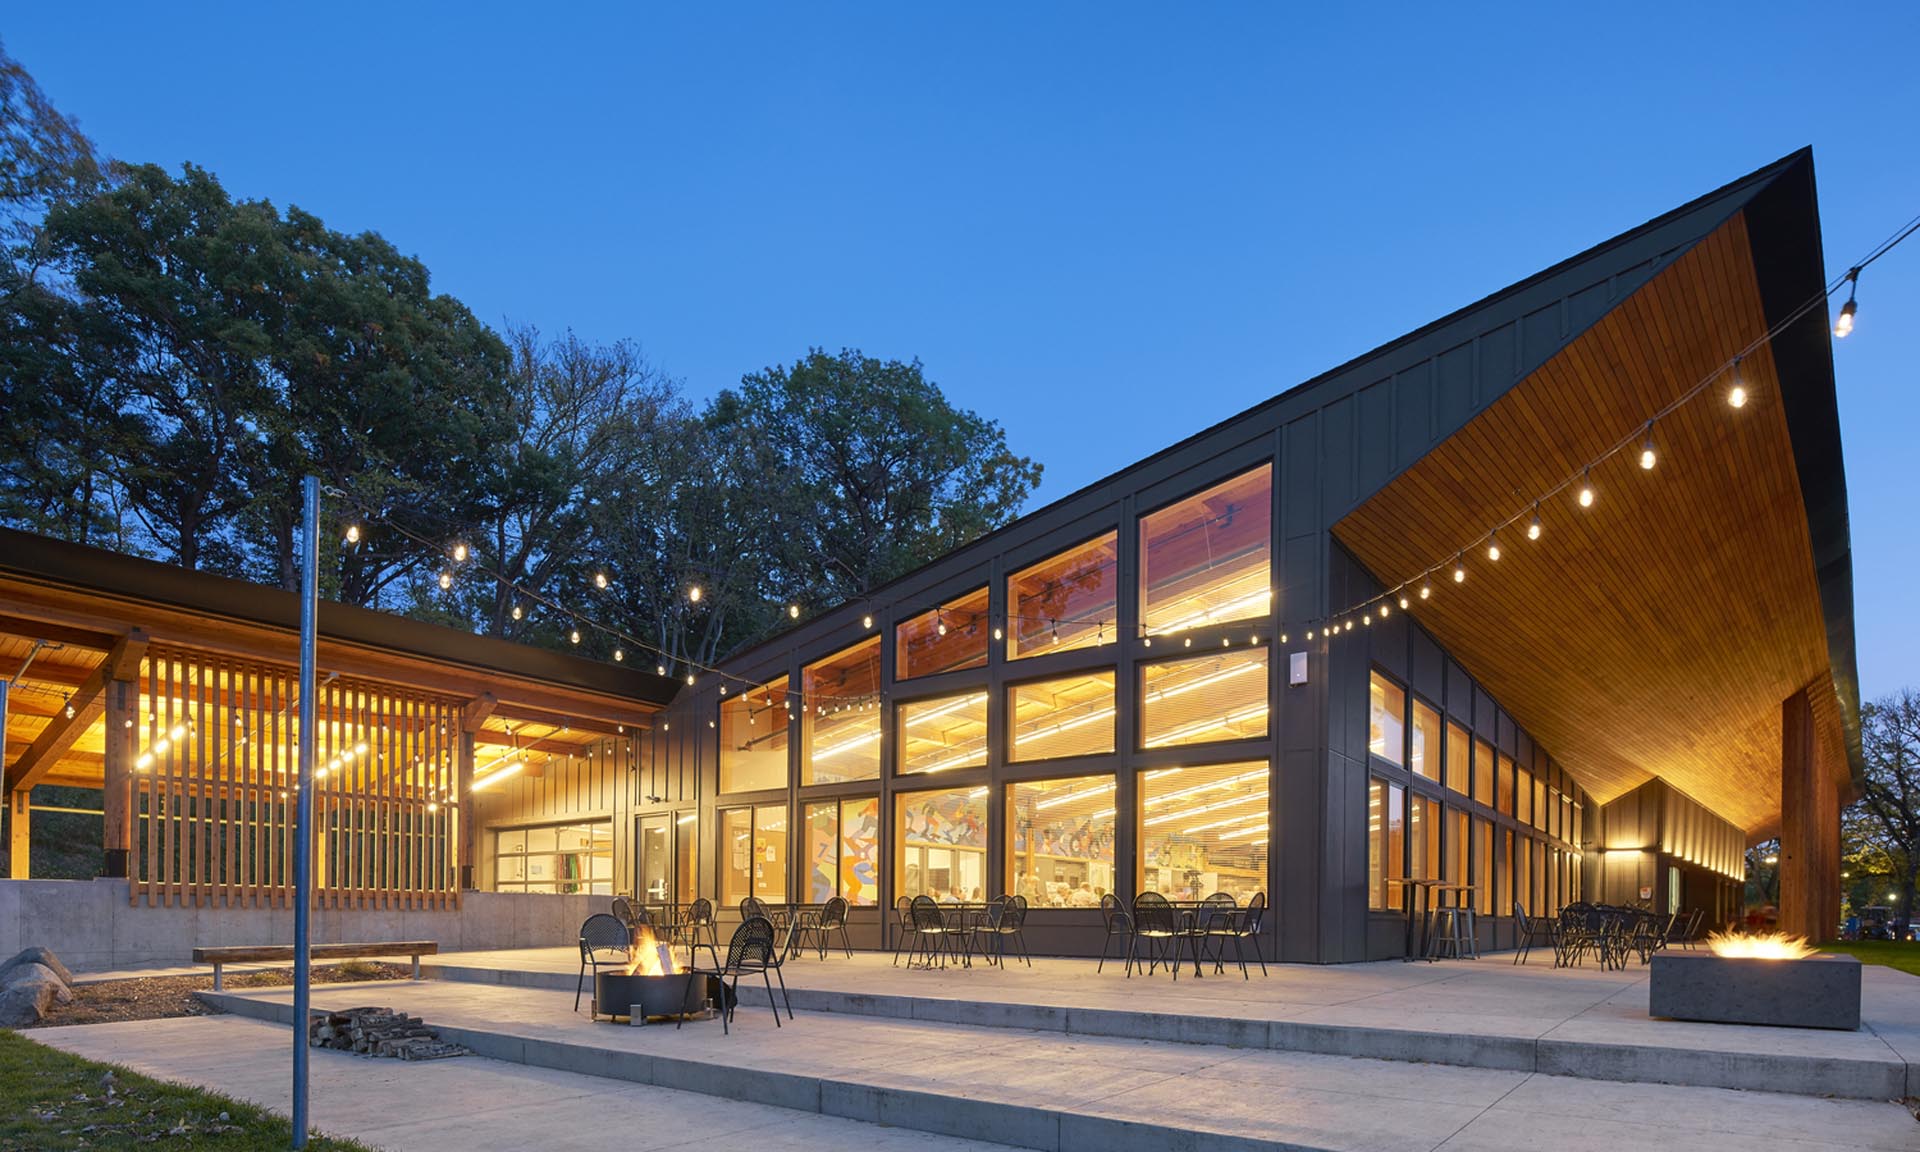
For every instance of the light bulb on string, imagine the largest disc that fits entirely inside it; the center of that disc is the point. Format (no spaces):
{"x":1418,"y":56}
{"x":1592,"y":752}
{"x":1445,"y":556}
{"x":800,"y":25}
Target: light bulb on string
{"x":1844,"y":324}
{"x":517,"y":613}
{"x":1737,"y":395}
{"x":866,"y":621}
{"x":693,"y":594}
{"x":574,"y":636}
{"x":997,"y":633}
{"x":1459,"y":570}
{"x":446,"y":581}
{"x":1533,"y":529}
{"x":1493,"y":545}
{"x":353,"y":533}
{"x":940,"y":621}
{"x":659,"y":669}
{"x":1646,"y":449}
{"x":1403,"y":603}
{"x":689,"y":678}
{"x":793,"y":611}
{"x":1586,"y":489}
{"x":619,"y":655}
{"x":600,"y":580}
{"x":1425,"y":591}
{"x":1383,"y":611}
{"x":460,"y":552}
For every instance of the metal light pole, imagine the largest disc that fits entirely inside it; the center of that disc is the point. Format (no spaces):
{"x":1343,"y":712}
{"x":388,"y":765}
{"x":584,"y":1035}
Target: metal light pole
{"x":303,"y":802}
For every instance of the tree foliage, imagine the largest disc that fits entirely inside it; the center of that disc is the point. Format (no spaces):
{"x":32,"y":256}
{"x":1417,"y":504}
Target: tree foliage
{"x":175,"y":360}
{"x":1883,"y":827}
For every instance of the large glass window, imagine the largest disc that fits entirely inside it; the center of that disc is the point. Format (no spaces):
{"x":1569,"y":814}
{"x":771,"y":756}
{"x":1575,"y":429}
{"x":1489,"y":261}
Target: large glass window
{"x":1484,"y":896}
{"x":1539,"y":804}
{"x":1507,"y":874}
{"x":1386,"y":844}
{"x":843,"y":850}
{"x":1060,"y":841}
{"x":753,"y":739}
{"x":1204,"y":830}
{"x":840,"y":720}
{"x":1486,"y":773}
{"x":1070,"y":716}
{"x":753,"y":853}
{"x":1423,"y":836}
{"x":1455,"y":864}
{"x":1523,"y":791}
{"x":1386,"y":722}
{"x":1204,"y":698}
{"x":1425,"y":760}
{"x":944,"y":733}
{"x":940,"y":844}
{"x":951,"y":637}
{"x":1209,"y":558}
{"x":686,"y":858}
{"x":1065,"y":601}
{"x":1459,"y":774}
{"x":556,"y":858}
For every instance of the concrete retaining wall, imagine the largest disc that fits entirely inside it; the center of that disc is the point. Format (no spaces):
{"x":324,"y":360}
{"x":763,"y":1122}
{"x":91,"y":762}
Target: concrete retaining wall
{"x":91,"y":925}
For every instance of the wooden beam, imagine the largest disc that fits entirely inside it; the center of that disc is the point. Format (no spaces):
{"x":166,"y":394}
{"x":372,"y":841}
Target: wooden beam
{"x":477,"y":710}
{"x":88,"y":702}
{"x":67,"y":634}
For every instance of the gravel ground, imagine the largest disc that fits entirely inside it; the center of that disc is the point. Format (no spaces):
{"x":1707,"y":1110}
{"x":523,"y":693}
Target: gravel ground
{"x":160,"y":997}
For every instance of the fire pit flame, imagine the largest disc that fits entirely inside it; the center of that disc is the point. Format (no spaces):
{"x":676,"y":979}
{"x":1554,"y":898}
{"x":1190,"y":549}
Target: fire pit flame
{"x":1774,"y":946}
{"x":650,"y":956}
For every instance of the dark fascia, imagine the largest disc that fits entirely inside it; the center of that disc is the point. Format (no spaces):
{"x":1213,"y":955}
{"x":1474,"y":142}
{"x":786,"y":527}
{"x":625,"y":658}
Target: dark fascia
{"x":1731,"y":198}
{"x":63,"y":564}
{"x":1783,"y":229}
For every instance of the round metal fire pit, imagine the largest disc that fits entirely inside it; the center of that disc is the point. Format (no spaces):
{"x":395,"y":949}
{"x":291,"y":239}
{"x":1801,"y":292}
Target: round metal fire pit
{"x":618,"y":994}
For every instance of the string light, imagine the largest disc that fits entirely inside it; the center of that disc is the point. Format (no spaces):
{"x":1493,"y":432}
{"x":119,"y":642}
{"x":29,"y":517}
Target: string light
{"x":660,"y":669}
{"x":1403,"y":603}
{"x":1844,"y":324}
{"x":1586,"y":488}
{"x":1493,"y":544}
{"x":793,"y":611}
{"x":689,"y":678}
{"x":866,"y":621}
{"x":574,"y":636}
{"x":353,"y":533}
{"x":1533,"y":529}
{"x":516,"y":612}
{"x":693,"y":594}
{"x":446,"y":581}
{"x":619,"y":655}
{"x":1425,"y":591}
{"x":1737,"y":395}
{"x":1459,"y":570}
{"x":1646,"y":449}
{"x":599,"y":579}
{"x":460,"y":552}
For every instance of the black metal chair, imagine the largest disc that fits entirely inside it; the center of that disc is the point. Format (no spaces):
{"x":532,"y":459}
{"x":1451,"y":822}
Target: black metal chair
{"x":1532,"y":930}
{"x":933,"y":937}
{"x":687,"y":930}
{"x":752,"y":949}
{"x":1230,"y":923}
{"x":600,"y":936}
{"x":1114,"y":916}
{"x":1006,"y":920}
{"x":832,"y":918}
{"x":1157,"y":922}
{"x":623,"y":911}
{"x":903,"y":912}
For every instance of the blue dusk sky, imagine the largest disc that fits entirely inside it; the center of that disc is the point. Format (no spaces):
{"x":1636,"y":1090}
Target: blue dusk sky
{"x":1106,"y":226}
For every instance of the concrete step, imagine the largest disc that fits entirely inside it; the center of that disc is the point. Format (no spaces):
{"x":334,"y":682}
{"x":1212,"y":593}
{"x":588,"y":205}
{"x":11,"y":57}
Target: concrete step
{"x":1067,"y":1093}
{"x":1595,"y":1046}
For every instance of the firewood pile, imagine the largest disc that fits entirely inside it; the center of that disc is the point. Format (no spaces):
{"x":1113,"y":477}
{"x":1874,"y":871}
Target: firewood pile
{"x":378,"y":1032}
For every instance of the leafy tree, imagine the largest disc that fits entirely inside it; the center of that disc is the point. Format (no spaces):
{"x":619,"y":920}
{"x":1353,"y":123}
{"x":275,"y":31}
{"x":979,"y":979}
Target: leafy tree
{"x":868,"y":468}
{"x":44,"y":159}
{"x":1887,"y":820}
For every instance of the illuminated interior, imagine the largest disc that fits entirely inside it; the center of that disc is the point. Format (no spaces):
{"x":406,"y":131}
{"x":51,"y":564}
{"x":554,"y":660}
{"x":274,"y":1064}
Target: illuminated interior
{"x":1458,"y":775}
{"x":943,"y":733}
{"x":753,"y":739}
{"x":1208,"y":559}
{"x":1065,"y":601}
{"x":556,"y":858}
{"x":1060,"y":841}
{"x":1069,"y":716}
{"x":1221,"y":696}
{"x":1424,"y":757}
{"x":951,"y":637}
{"x":940,"y":843}
{"x":1423,"y":837}
{"x":1204,"y":830}
{"x":1386,"y":726}
{"x":840,"y":722}
{"x":753,"y":853}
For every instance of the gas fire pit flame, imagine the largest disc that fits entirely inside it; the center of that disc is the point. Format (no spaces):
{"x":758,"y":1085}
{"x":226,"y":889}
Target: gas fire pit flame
{"x":1774,"y":946}
{"x":650,"y":956}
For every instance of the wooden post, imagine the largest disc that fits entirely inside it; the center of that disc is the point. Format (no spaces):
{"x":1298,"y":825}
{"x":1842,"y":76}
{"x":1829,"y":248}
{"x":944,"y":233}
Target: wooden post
{"x":123,"y":702}
{"x":19,"y":832}
{"x":1809,"y":827}
{"x":465,"y":818}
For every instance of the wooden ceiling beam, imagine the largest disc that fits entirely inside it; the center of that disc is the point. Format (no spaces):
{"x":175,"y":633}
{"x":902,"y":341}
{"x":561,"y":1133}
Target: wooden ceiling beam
{"x":88,"y":703}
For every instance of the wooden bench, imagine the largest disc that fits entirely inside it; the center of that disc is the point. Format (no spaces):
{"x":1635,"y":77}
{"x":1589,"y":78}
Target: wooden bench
{"x":267,"y":953}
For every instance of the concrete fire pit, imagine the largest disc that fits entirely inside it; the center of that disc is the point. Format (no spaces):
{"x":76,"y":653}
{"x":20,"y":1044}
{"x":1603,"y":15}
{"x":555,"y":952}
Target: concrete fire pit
{"x":1820,"y":991}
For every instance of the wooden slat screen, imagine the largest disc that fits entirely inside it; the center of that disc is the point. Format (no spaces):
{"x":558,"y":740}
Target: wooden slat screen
{"x":215,"y":783}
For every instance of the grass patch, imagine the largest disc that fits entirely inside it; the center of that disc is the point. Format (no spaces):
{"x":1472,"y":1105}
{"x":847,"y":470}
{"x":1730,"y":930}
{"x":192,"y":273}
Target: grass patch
{"x":51,"y":1101}
{"x":1892,"y":953}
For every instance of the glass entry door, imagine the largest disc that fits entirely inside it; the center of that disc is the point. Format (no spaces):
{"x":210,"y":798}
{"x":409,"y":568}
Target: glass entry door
{"x":655,"y":882}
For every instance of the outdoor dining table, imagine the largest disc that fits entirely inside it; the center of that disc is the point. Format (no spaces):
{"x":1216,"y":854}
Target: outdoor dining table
{"x":1419,"y":906}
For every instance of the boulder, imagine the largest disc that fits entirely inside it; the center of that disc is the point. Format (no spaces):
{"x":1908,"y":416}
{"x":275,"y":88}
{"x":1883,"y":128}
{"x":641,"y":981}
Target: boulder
{"x":41,"y":956}
{"x":28,"y":992}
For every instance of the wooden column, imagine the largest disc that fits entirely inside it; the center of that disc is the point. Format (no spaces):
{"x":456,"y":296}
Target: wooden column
{"x":1809,"y":827}
{"x":19,"y":832}
{"x":466,"y":817}
{"x":123,"y":704}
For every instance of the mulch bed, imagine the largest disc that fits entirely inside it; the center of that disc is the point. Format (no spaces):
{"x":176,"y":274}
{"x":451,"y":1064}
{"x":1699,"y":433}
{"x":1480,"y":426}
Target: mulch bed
{"x":161,"y":997}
